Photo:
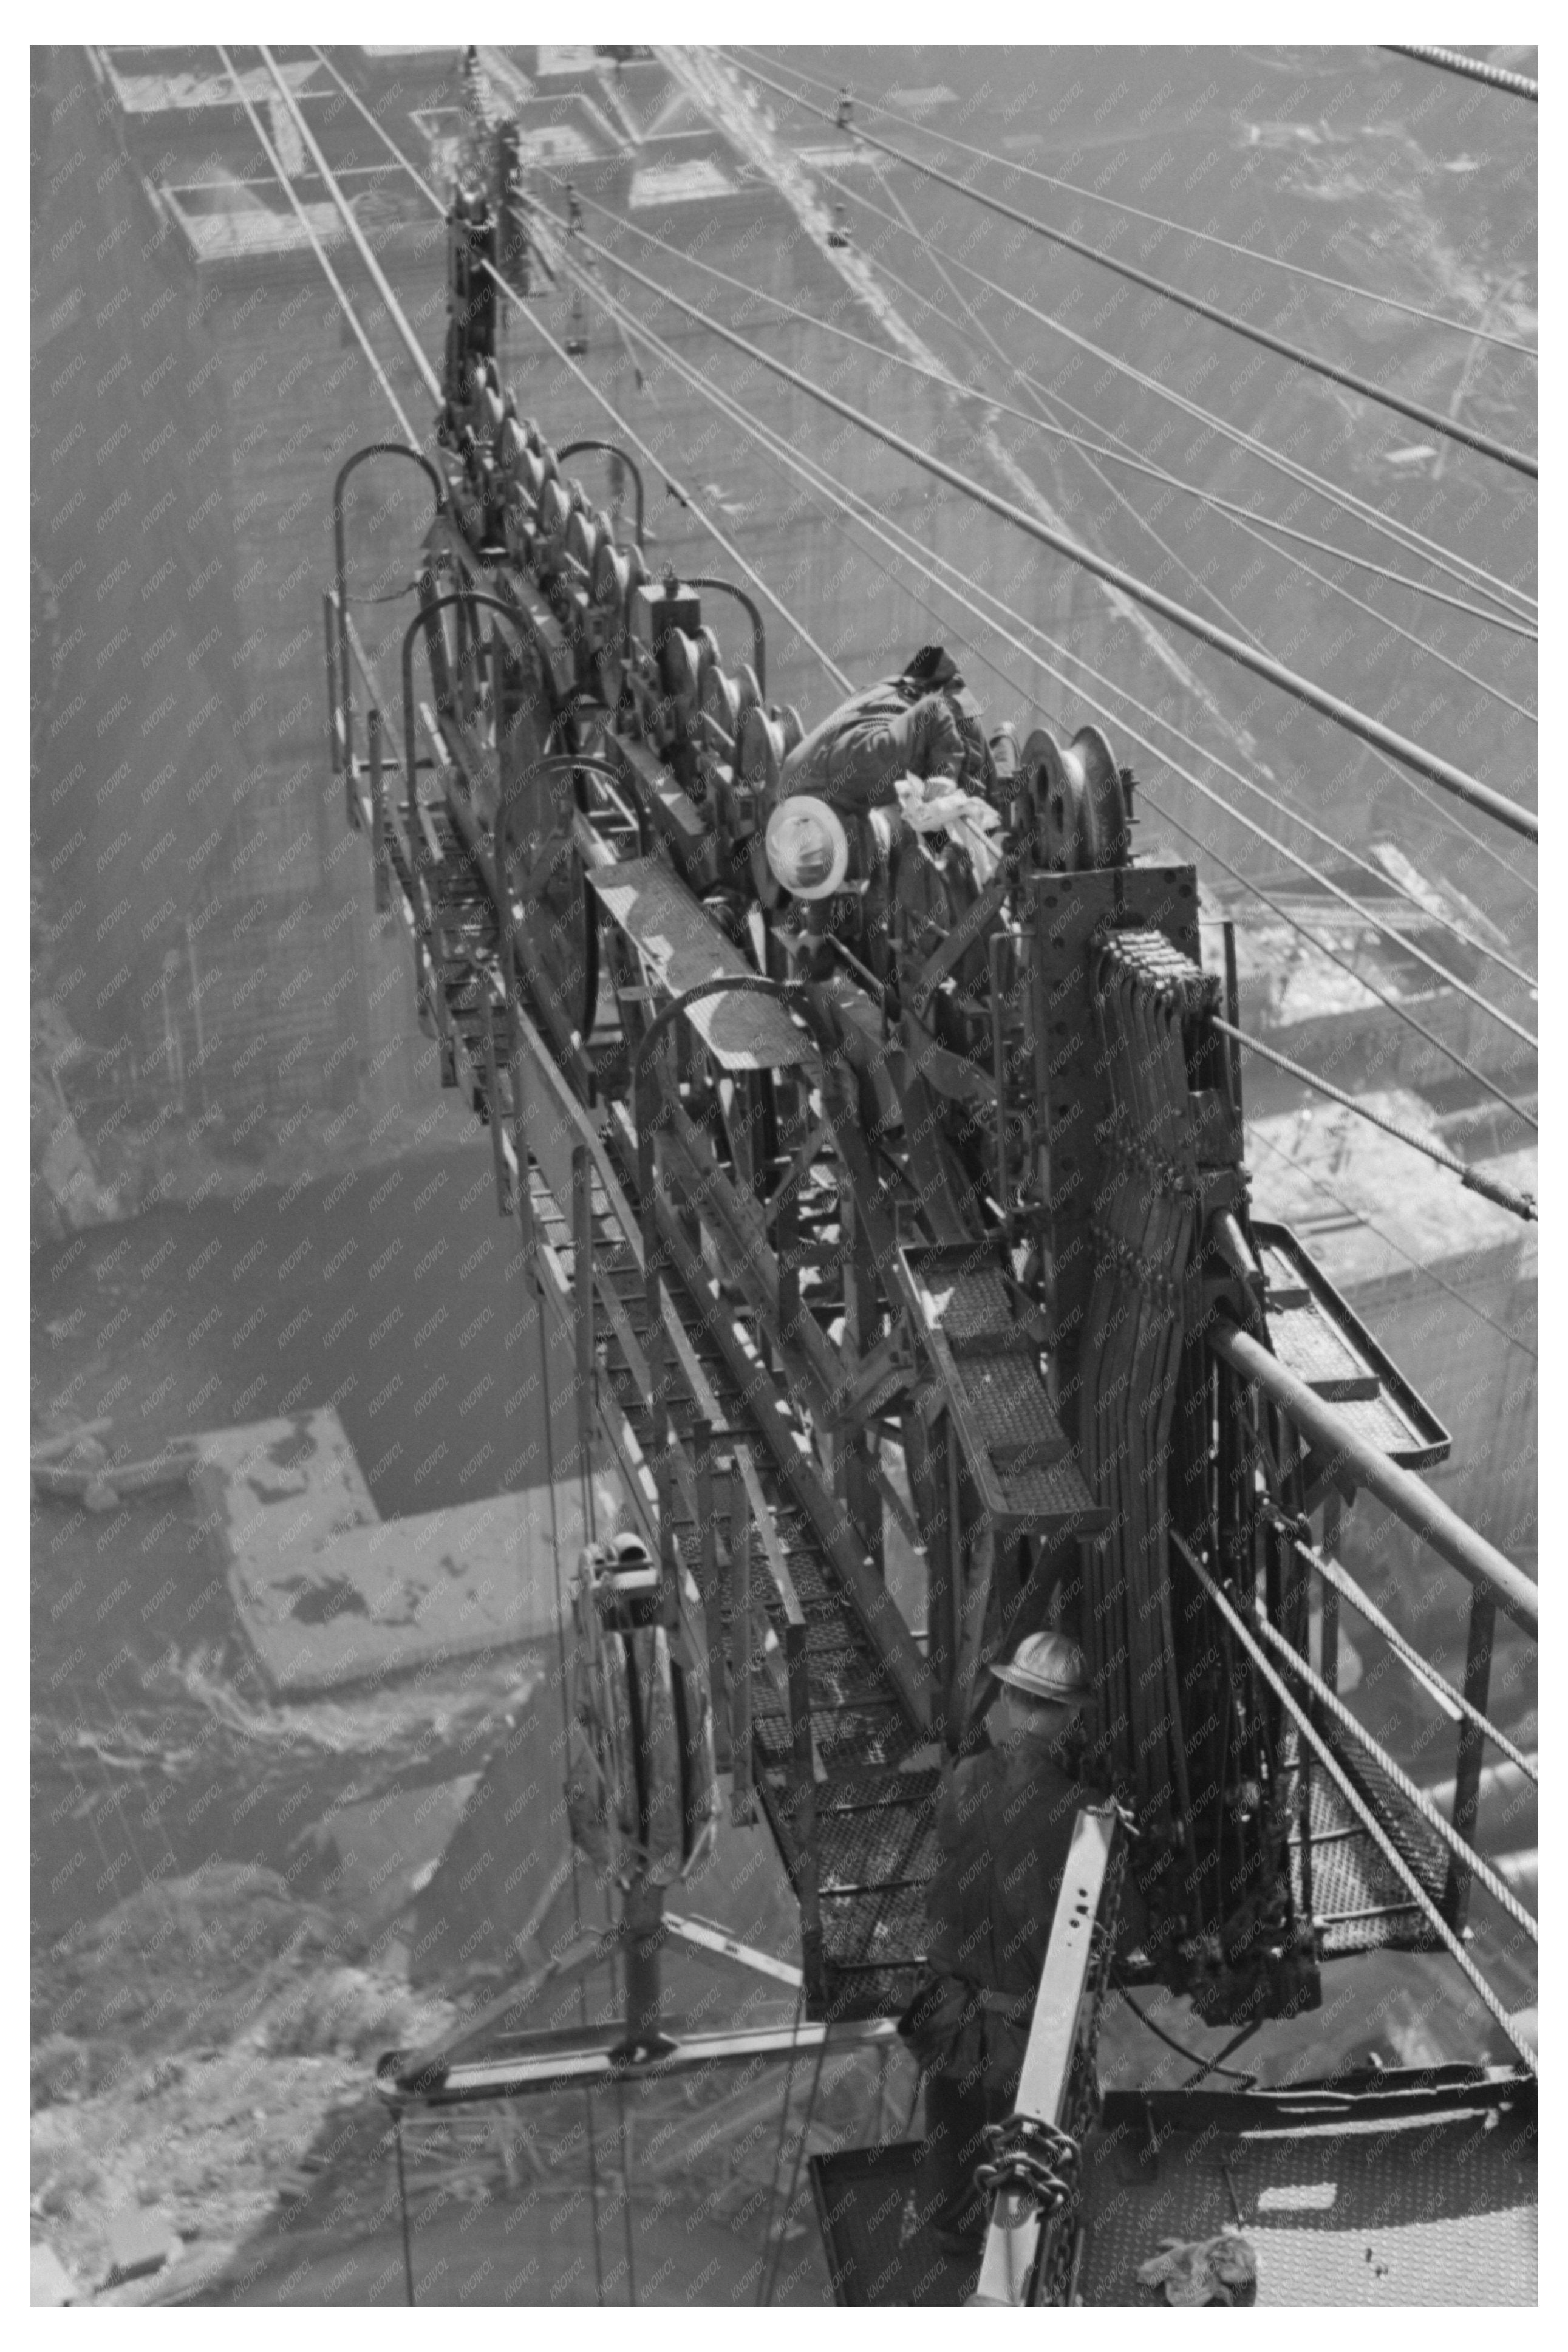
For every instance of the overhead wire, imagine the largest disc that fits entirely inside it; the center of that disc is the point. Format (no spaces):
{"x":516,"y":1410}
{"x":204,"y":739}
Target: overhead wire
{"x":946,"y":137}
{"x":1474,"y":1180}
{"x":1459,"y":567}
{"x":1121,"y":454}
{"x":842,"y":490}
{"x":1449,"y":819}
{"x":1433,"y":420}
{"x":1343,"y":714}
{"x":331,"y":274}
{"x":599,"y":396}
{"x":1403,"y":1013}
{"x":1143,"y":523}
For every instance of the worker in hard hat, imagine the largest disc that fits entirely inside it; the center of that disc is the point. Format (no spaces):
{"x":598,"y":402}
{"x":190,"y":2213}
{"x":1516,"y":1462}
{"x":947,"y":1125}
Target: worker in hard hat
{"x":1003,"y":1828}
{"x":909,"y":752}
{"x":925,"y":723}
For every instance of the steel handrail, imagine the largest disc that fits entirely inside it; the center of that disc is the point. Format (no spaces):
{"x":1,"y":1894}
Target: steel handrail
{"x":1407,"y":1497}
{"x":359,"y":457}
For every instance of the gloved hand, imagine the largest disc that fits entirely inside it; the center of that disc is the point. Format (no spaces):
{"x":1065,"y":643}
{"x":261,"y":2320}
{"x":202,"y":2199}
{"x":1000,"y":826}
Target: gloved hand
{"x":1203,"y":2271}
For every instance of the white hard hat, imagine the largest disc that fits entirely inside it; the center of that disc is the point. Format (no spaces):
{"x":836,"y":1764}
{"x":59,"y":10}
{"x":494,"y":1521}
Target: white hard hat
{"x":1049,"y":1666}
{"x":807,"y":847}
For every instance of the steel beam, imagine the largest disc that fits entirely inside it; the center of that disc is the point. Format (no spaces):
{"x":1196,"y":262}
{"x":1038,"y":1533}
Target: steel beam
{"x":547,"y":2063}
{"x":1014,"y":2239}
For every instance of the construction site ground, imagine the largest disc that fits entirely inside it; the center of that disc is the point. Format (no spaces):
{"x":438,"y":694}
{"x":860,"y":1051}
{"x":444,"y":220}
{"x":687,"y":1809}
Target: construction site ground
{"x":230,"y":1892}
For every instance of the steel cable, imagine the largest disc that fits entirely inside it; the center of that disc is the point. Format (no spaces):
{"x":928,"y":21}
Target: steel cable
{"x":1321,"y":1184}
{"x":1405,"y":535}
{"x":1447,"y":817}
{"x":1157,"y":220}
{"x":1506,"y":1199}
{"x":1519,"y":461}
{"x":1342,"y":714}
{"x":270,"y":152}
{"x":1519,"y":1204}
{"x":1477,"y":1183}
{"x":1455,"y":61}
{"x":767,"y":439}
{"x":1122,"y":455}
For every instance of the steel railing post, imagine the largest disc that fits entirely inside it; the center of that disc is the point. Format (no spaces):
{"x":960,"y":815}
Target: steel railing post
{"x":1468,"y":1761}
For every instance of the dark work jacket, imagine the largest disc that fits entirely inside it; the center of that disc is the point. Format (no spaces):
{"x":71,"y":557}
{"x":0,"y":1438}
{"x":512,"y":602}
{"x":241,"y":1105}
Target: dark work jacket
{"x":1004,"y":1837}
{"x":854,"y":759}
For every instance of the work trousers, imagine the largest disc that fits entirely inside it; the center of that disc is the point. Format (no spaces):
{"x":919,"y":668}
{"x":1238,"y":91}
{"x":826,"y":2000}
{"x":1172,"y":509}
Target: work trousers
{"x":958,"y":2109}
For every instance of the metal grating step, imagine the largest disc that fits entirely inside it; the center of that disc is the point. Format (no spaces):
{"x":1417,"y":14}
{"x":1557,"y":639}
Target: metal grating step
{"x":1357,"y":1901}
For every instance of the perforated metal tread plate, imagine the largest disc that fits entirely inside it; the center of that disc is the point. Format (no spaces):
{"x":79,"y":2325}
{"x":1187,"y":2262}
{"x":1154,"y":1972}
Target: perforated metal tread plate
{"x":1358,"y":1901}
{"x":965,"y":1300}
{"x":1426,"y":2212}
{"x":1442,"y":2210}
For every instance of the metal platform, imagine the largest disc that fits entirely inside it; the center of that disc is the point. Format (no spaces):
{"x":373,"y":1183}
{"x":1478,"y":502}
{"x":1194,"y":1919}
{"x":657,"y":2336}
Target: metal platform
{"x":1436,"y":2207}
{"x":1017,"y":1450}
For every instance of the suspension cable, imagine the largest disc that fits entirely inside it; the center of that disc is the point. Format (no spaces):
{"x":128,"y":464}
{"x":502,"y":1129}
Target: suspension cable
{"x":1335,"y":587}
{"x":270,"y":152}
{"x":1359,"y":1806}
{"x":345,"y":212}
{"x":1157,"y":220}
{"x":1448,"y":819}
{"x":1405,"y":535}
{"x":770,"y":440}
{"x":1455,"y":61}
{"x":1519,"y":1204}
{"x":586,"y":381}
{"x":1401,"y":1011}
{"x":1331,"y":706}
{"x":1321,"y":1184}
{"x":1121,"y":454}
{"x":1432,"y":419}
{"x":1218,"y":601}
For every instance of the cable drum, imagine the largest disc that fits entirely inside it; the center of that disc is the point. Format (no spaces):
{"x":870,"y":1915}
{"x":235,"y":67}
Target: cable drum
{"x":642,"y":1790}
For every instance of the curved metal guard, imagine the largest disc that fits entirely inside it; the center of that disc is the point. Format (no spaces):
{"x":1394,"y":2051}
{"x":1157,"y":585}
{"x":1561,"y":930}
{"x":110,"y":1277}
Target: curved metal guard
{"x":360,"y":457}
{"x":611,"y":449}
{"x":759,"y":643}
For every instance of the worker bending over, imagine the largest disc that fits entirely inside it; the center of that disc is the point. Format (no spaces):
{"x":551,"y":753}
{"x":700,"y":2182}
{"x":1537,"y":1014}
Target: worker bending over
{"x":912,"y":750}
{"x":1003,"y":1828}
